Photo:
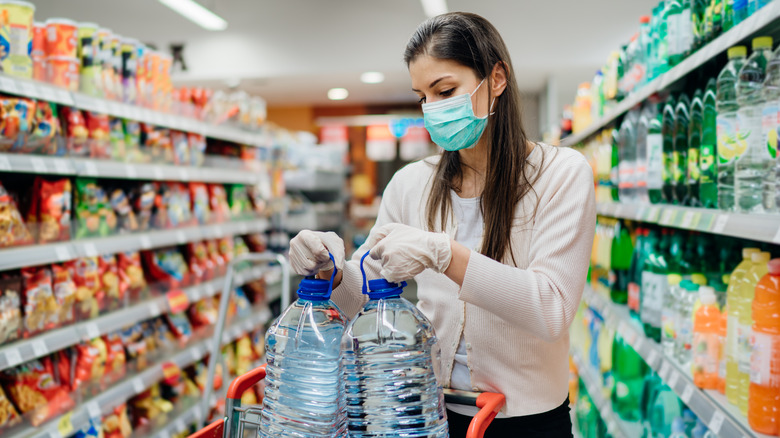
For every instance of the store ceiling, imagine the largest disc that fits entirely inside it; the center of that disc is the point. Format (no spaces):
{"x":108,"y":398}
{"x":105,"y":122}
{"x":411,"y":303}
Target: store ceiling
{"x":292,"y":51}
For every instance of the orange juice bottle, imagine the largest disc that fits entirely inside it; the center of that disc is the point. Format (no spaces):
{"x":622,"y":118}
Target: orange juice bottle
{"x":764,"y":395}
{"x":706,"y":340}
{"x":722,"y":332}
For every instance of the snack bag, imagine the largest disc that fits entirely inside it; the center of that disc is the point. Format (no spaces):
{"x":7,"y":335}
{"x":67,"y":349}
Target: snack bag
{"x":197,"y":149}
{"x":65,"y":292}
{"x":238,"y":200}
{"x":116,"y":360}
{"x":180,"y":326}
{"x":117,"y":139}
{"x":220,"y":264}
{"x":90,"y":364}
{"x":94,"y":214}
{"x":143,"y":204}
{"x":179,"y":208}
{"x":226,"y":249}
{"x":219,"y":206}
{"x":256,"y":242}
{"x":98,"y":127}
{"x":76,"y":132}
{"x":136,"y":347}
{"x":131,"y":273}
{"x":35,"y":389}
{"x":89,"y":293}
{"x":46,"y":130}
{"x":24,"y":109}
{"x":181,"y":148}
{"x":201,"y":266}
{"x":39,"y":304}
{"x":240,"y":304}
{"x":112,"y":295}
{"x":162,"y":206}
{"x":9,"y":417}
{"x":126,"y":220}
{"x":12,"y":228}
{"x":91,"y":430}
{"x":117,"y":424}
{"x":133,"y":144}
{"x":244,"y":355}
{"x":204,"y":312}
{"x":199,"y":195}
{"x":50,"y":209}
{"x":166,"y":268}
{"x":10,"y":312}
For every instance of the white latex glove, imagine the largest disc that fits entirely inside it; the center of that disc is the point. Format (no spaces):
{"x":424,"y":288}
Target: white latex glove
{"x":407,"y":251}
{"x":309,"y":252}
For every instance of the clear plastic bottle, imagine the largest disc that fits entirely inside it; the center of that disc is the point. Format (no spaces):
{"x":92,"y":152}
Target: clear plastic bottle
{"x":391,"y":360}
{"x":667,"y":135}
{"x":643,"y":154}
{"x":708,"y":155}
{"x":684,"y":340}
{"x":706,"y":340}
{"x":304,"y":392}
{"x":627,"y":157}
{"x":682,"y":118}
{"x":655,"y":153}
{"x":751,"y":166}
{"x":770,"y":122}
{"x":727,"y":107}
{"x":694,"y":150}
{"x":678,"y":428}
{"x":740,"y":9}
{"x":669,"y":321}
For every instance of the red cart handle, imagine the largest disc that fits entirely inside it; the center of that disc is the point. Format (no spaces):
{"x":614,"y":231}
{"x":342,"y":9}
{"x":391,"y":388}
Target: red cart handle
{"x":245,"y":381}
{"x":489,"y":403}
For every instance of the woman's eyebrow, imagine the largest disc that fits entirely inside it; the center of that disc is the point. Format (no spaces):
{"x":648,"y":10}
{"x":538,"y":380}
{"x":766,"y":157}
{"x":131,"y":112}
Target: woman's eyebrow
{"x":433,"y":84}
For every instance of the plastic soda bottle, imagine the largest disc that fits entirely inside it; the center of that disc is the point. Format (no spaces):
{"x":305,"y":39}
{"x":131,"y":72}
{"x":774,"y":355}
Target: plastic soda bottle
{"x":764,"y":395}
{"x":622,"y":248}
{"x":740,"y":11}
{"x":728,"y":148}
{"x":706,"y":340}
{"x":682,"y":117}
{"x":635,"y":271}
{"x":668,"y":125}
{"x":391,"y":362}
{"x":708,"y":155}
{"x":770,"y":122}
{"x":654,"y":286}
{"x":669,"y":321}
{"x":754,"y":160}
{"x":722,"y":332}
{"x":732,"y":342}
{"x":627,"y":157}
{"x":304,"y":392}
{"x":747,"y":291}
{"x":694,"y":149}
{"x":655,"y":154}
{"x":628,"y":371}
{"x":684,"y":340}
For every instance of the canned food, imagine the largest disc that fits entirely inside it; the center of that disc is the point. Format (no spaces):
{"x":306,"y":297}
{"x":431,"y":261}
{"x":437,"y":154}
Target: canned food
{"x":63,"y":72}
{"x":16,"y":37}
{"x":61,"y":36}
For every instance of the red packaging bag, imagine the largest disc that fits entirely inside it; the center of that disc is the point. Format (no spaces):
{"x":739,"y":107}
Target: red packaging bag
{"x":64,"y":286}
{"x":39,"y":304}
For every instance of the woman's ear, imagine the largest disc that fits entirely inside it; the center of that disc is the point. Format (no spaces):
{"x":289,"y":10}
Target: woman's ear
{"x":498,"y":78}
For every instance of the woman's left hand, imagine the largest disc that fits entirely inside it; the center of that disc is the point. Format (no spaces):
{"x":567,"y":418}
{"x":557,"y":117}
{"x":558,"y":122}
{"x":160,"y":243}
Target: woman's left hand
{"x":407,"y":251}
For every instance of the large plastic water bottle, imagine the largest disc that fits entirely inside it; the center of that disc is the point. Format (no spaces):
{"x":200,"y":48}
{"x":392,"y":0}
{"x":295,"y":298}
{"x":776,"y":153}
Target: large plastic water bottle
{"x":390,"y":353}
{"x":752,"y":166}
{"x":728,"y":149}
{"x":770,"y":122}
{"x":304,"y":392}
{"x":627,"y":153}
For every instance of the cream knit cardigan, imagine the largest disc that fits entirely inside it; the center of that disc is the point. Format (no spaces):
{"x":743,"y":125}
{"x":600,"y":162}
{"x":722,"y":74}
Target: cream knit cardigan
{"x":515,"y":318}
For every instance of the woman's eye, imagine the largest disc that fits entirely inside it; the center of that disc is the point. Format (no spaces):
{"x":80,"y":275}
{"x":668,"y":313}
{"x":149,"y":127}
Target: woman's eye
{"x":422,"y":100}
{"x":447,"y":93}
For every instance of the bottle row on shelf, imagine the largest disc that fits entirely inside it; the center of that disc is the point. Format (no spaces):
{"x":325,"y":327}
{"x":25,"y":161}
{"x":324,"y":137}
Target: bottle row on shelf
{"x":700,"y":296}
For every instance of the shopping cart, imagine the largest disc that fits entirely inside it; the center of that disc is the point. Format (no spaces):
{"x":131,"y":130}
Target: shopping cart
{"x":244,"y":421}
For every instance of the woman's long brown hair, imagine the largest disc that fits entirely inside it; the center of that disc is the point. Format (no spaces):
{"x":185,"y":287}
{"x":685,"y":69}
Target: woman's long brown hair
{"x":473,"y":42}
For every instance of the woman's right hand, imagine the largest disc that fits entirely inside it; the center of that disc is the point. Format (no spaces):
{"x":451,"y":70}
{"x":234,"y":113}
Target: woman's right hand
{"x":309,"y":252}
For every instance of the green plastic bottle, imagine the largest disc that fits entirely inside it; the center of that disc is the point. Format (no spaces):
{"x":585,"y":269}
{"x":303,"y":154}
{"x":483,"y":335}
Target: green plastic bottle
{"x":614,"y":170}
{"x":655,"y":154}
{"x":694,"y":150}
{"x":654,"y":286}
{"x":699,"y":22}
{"x":662,"y":59}
{"x":667,"y":134}
{"x":652,"y":383}
{"x":620,"y":255}
{"x":635,"y":271}
{"x":728,"y":15}
{"x":708,"y":155}
{"x":628,"y":371}
{"x":681,"y":121}
{"x":665,"y":408}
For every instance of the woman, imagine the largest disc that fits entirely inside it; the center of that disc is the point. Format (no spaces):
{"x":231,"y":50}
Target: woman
{"x":496,"y":231}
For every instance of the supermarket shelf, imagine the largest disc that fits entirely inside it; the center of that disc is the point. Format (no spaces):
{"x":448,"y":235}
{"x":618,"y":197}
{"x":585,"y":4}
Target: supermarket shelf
{"x":715,"y":411}
{"x":58,"y":339}
{"x":315,"y":181}
{"x":102,"y":404}
{"x":43,"y":91}
{"x":616,"y":426}
{"x":190,"y":416}
{"x":313,"y":220}
{"x":34,"y":255}
{"x":39,"y":164}
{"x":759,"y":227}
{"x":765,"y":16}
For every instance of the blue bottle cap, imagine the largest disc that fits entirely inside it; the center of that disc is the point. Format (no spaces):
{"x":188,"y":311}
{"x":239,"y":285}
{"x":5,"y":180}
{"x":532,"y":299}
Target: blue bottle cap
{"x":380,"y":288}
{"x":740,"y":4}
{"x":317,"y":289}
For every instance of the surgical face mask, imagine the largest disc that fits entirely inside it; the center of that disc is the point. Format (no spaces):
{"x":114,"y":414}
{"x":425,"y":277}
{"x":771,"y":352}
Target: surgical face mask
{"x":452,"y":123}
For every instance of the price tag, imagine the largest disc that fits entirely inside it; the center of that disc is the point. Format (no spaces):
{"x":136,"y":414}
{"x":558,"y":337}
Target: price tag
{"x":5,"y":164}
{"x":8,"y":85}
{"x":48,"y":94}
{"x":673,"y":378}
{"x":158,"y":173}
{"x":619,"y":210}
{"x":687,"y":394}
{"x":197,"y":353}
{"x":219,"y":231}
{"x":64,"y":425}
{"x":38,"y":165}
{"x":62,"y":166}
{"x":663,"y":373}
{"x":39,"y":348}
{"x":720,"y":223}
{"x":146,"y":241}
{"x":90,"y":250}
{"x":138,"y":385}
{"x":667,"y":218}
{"x":131,"y":171}
{"x":180,"y":425}
{"x":181,"y":237}
{"x":776,"y":239}
{"x":638,"y":342}
{"x":716,"y":422}
{"x":687,"y":220}
{"x":243,"y":228}
{"x":64,"y":97}
{"x":197,"y":413}
{"x":12,"y":357}
{"x":29,"y":89}
{"x":184,"y":175}
{"x":652,"y":358}
{"x":63,"y":253}
{"x":196,"y":293}
{"x":653,"y":214}
{"x":90,"y":168}
{"x":92,"y":331}
{"x":154,"y":309}
{"x":94,"y":410}
{"x":164,"y":434}
{"x":100,"y":106}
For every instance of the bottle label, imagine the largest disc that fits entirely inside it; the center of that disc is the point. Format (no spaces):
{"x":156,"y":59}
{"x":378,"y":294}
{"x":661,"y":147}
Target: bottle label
{"x":765,"y":347}
{"x":769,"y":124}
{"x":693,"y":165}
{"x":707,"y":170}
{"x":706,"y":348}
{"x":633,"y":296}
{"x":668,"y":316}
{"x":673,"y":33}
{"x":732,"y":338}
{"x":749,"y":140}
{"x":685,"y":332}
{"x":668,"y":168}
{"x":655,"y":164}
{"x":744,"y":334}
{"x":678,"y":169}
{"x":729,"y":149}
{"x":653,"y":286}
{"x":685,"y":29}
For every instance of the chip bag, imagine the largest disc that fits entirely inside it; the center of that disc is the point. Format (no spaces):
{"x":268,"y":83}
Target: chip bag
{"x":93,"y":211}
{"x":143,"y":199}
{"x":46,"y":131}
{"x":199,"y":195}
{"x":39,"y":304}
{"x":131,"y":273}
{"x":89,"y":292}
{"x":9,"y":417}
{"x":98,"y":127}
{"x":12,"y":228}
{"x":181,"y":148}
{"x":238,"y":200}
{"x":220,"y":209}
{"x":123,"y":210}
{"x":49,"y":214}
{"x":117,"y":424}
{"x":197,"y":149}
{"x":116,"y":360}
{"x":133,"y":145}
{"x":35,"y":389}
{"x":90,"y":364}
{"x":76,"y":132}
{"x":65,"y":292}
{"x":112,"y":294}
{"x":201,"y":266}
{"x":116,"y":138}
{"x":10,"y":311}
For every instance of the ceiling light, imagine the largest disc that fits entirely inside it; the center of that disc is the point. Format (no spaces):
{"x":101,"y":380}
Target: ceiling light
{"x":197,"y":14}
{"x":433,"y":8}
{"x":338,"y":93}
{"x":372,"y":77}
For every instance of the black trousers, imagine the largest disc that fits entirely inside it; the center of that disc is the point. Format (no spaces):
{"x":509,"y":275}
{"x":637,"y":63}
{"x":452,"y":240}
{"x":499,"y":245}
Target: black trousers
{"x":551,"y":424}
